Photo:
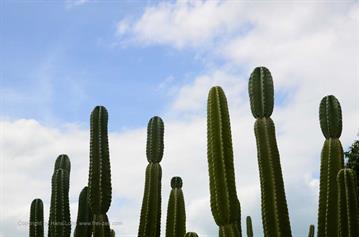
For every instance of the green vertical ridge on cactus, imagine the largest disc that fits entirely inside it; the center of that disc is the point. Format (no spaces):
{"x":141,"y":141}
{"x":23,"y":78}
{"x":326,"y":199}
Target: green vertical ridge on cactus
{"x":154,"y":148}
{"x":311,"y":231}
{"x":84,"y":216}
{"x":249,"y":226}
{"x":176,"y":214}
{"x":36,"y":219}
{"x":150,"y":219}
{"x":101,"y":226}
{"x":330,"y":116}
{"x":63,"y":162}
{"x":348,"y":203}
{"x":99,"y":187}
{"x":113,"y":234}
{"x":225,"y":205}
{"x":275,"y":215}
{"x":191,"y":234}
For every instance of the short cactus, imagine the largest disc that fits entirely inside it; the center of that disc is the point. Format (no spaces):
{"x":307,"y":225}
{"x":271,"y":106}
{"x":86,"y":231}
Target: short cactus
{"x":311,"y":231}
{"x":348,"y":203}
{"x":332,"y":160}
{"x":275,"y":215}
{"x":191,"y":234}
{"x":225,"y":205}
{"x":249,"y":226}
{"x":36,"y":218}
{"x":150,"y":220}
{"x":176,"y":214}
{"x":84,"y":216}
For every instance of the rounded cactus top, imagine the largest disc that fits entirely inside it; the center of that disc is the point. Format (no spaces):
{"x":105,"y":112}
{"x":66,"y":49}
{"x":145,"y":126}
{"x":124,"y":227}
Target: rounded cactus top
{"x":346,"y":172}
{"x":99,"y":111}
{"x":191,"y":234}
{"x":154,"y":148}
{"x":330,"y":117}
{"x":261,"y":92}
{"x":176,"y":182}
{"x":63,"y":162}
{"x":37,"y":203}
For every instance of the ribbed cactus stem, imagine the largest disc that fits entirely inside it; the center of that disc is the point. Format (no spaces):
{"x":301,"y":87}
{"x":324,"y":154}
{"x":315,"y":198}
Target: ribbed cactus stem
{"x":275,"y":215}
{"x":191,"y":234}
{"x":36,"y":219}
{"x":348,"y":203}
{"x":101,"y":226}
{"x":225,"y":205}
{"x":176,"y":214}
{"x":63,"y":162}
{"x":150,"y":220}
{"x":332,"y":160}
{"x":84,"y":216}
{"x":249,"y":226}
{"x":311,"y":231}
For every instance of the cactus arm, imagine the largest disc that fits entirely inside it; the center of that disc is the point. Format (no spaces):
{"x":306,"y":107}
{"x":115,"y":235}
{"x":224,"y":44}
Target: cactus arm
{"x":113,"y":233}
{"x":191,"y":234}
{"x":84,"y":216}
{"x":154,"y":148}
{"x":330,"y":116}
{"x":36,"y":219}
{"x":249,"y":226}
{"x":311,"y":231}
{"x":225,"y":206}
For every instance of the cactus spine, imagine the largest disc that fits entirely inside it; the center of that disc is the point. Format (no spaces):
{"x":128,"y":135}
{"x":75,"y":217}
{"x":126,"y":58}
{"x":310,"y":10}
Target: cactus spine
{"x":311,"y":231}
{"x":348,"y":203}
{"x":249,"y":226}
{"x":275,"y":216}
{"x":225,"y":205}
{"x":191,"y":234}
{"x":176,"y":214}
{"x":332,"y":160}
{"x":150,"y":220}
{"x":37,"y":218}
{"x":84,"y":216}
{"x":99,"y":187}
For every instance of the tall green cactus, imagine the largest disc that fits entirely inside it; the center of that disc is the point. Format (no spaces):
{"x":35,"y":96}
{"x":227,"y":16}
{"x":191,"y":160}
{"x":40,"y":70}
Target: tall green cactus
{"x":99,"y":186}
{"x":275,"y":216}
{"x":63,"y":162}
{"x":60,"y":225}
{"x":225,"y":205}
{"x":348,"y":203}
{"x":36,"y":219}
{"x":332,"y":160}
{"x":249,"y":226}
{"x":176,"y":214}
{"x":84,"y":216}
{"x":311,"y":231}
{"x":150,"y":221}
{"x":191,"y":234}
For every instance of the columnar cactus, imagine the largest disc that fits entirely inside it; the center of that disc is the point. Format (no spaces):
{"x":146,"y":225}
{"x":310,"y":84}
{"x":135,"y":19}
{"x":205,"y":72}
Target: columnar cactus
{"x":63,"y":162}
{"x":225,"y":205}
{"x":36,"y":218}
{"x":84,"y":216}
{"x":348,"y":203}
{"x":275,"y":216}
{"x":249,"y":226}
{"x":113,"y":234}
{"x":150,"y":221}
{"x":191,"y":234}
{"x":311,"y":231}
{"x":176,"y":214}
{"x":332,"y":160}
{"x":99,"y":186}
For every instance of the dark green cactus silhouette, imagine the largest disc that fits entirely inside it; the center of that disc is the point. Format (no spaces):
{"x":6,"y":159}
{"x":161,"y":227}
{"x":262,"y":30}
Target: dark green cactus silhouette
{"x":275,"y":215}
{"x":249,"y":226}
{"x":99,"y":186}
{"x":36,"y":218}
{"x":191,"y":234}
{"x":176,"y":214}
{"x":332,"y":160}
{"x":84,"y":216}
{"x":113,"y":233}
{"x":311,"y":231}
{"x":60,"y":225}
{"x":63,"y":162}
{"x":150,"y":220}
{"x":225,"y":205}
{"x":348,"y":203}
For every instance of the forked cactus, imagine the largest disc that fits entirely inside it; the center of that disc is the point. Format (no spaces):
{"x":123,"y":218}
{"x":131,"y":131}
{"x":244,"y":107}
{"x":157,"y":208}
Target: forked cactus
{"x":176,"y":214}
{"x":150,"y":220}
{"x":249,"y":226}
{"x":275,"y":215}
{"x":84,"y":216}
{"x":225,"y":205}
{"x":332,"y":160}
{"x":99,"y":186}
{"x":36,"y":218}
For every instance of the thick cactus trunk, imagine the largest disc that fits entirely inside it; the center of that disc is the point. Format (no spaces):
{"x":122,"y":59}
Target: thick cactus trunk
{"x":36,"y":219}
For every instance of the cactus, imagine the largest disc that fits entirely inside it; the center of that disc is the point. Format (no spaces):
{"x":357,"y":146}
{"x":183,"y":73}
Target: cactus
{"x":249,"y":226}
{"x":191,"y":234}
{"x":84,"y":216}
{"x":63,"y":162}
{"x":99,"y":186}
{"x":112,"y":233}
{"x":275,"y":215}
{"x":225,"y":205}
{"x":311,"y":231}
{"x":176,"y":214}
{"x":150,"y":220}
{"x":348,"y":203}
{"x":60,"y":225}
{"x":36,"y":218}
{"x":332,"y":160}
